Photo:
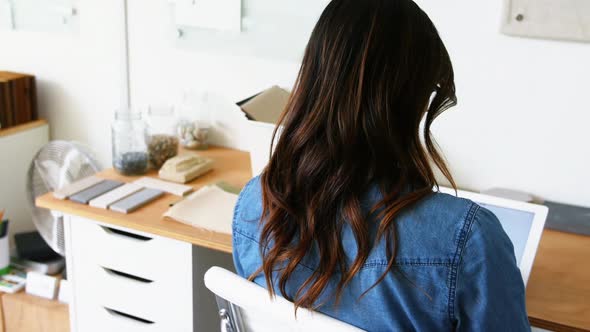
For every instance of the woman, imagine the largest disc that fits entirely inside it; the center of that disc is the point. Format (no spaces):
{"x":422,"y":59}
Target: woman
{"x":344,"y":218}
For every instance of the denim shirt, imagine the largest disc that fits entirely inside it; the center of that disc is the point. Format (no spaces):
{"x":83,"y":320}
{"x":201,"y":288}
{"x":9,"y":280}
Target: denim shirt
{"x":455,"y":269}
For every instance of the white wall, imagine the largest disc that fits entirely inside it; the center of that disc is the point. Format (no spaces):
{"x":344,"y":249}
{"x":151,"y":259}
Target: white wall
{"x":78,"y":75}
{"x":523,"y":103}
{"x":17,"y":150}
{"x":78,"y":83}
{"x":162,"y":72}
{"x":523,"y":113}
{"x":520,"y":123}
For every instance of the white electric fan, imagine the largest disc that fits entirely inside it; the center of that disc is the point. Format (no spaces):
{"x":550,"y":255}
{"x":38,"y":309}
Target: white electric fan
{"x":57,"y":164}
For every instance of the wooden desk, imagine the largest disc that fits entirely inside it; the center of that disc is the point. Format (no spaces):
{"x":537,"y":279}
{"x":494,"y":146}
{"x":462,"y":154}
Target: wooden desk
{"x":231,"y":166}
{"x":558,"y":292}
{"x":115,"y":259}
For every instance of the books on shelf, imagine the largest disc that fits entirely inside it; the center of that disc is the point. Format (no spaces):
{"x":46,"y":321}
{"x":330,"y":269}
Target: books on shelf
{"x":14,"y":281}
{"x":18,"y":99}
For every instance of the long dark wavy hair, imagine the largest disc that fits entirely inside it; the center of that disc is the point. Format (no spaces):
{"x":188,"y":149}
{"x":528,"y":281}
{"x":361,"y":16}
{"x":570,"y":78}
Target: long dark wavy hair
{"x":373,"y":72}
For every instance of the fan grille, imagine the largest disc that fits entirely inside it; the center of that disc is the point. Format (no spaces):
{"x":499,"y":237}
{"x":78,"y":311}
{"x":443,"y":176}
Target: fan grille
{"x":57,"y":164}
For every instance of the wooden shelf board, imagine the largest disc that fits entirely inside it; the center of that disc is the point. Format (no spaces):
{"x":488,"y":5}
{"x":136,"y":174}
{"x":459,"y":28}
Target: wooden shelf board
{"x":20,"y":128}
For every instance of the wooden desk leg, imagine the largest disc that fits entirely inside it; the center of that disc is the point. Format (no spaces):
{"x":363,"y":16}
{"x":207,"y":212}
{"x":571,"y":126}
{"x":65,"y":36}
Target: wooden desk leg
{"x":1,"y":314}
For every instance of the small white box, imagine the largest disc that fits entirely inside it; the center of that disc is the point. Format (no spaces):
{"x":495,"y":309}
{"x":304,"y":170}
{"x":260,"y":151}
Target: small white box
{"x":41,"y":285}
{"x":4,"y":252}
{"x":65,"y":291}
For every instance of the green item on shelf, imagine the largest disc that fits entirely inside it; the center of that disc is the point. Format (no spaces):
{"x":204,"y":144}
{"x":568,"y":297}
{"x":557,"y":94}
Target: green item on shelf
{"x":4,"y":257}
{"x":4,"y":271}
{"x":228,"y":188}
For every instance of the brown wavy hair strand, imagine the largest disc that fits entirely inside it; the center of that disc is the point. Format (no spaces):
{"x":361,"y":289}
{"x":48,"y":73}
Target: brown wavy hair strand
{"x":372,"y":73}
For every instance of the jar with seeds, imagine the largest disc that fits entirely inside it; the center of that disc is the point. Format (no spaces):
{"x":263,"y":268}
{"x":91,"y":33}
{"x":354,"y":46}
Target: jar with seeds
{"x":162,"y":141}
{"x":130,"y":151}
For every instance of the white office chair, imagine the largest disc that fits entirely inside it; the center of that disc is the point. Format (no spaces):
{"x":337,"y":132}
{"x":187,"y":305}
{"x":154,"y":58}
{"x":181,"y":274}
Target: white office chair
{"x":246,"y":307}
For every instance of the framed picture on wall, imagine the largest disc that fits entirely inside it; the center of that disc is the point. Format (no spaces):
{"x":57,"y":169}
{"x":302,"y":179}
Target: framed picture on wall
{"x":551,"y":19}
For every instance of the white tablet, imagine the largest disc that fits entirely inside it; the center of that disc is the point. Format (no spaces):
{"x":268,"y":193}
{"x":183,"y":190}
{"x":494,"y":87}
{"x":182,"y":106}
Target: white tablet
{"x":523,"y":222}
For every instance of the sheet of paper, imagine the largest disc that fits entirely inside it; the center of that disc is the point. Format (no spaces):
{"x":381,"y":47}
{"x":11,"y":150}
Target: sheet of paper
{"x":6,"y":18}
{"x":210,"y":208}
{"x":223,"y":15}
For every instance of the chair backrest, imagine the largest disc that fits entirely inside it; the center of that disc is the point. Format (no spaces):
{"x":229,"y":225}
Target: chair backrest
{"x":246,"y":307}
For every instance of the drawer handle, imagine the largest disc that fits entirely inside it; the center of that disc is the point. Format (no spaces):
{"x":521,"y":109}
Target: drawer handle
{"x":127,"y":275}
{"x":118,"y":232}
{"x":117,"y":313}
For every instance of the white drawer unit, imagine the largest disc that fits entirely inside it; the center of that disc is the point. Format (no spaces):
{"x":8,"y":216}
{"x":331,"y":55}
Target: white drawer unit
{"x":152,"y":300}
{"x":142,"y":255}
{"x":123,"y":280}
{"x":97,"y":318}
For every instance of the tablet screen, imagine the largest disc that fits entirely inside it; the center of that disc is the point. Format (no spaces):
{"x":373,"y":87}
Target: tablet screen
{"x":517,"y":224}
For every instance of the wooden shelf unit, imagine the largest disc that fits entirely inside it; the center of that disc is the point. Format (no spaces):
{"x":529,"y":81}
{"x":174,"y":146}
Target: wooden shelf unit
{"x":22,"y":312}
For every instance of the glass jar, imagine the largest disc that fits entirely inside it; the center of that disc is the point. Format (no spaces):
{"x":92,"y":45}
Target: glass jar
{"x":193,"y":135}
{"x":193,"y":131}
{"x":162,"y":141}
{"x":130,"y":152}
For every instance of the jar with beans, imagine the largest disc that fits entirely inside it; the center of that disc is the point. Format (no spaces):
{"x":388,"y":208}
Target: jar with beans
{"x":162,"y":140}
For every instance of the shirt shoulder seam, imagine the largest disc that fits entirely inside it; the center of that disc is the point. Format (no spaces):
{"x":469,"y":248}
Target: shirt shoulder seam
{"x":453,"y":271}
